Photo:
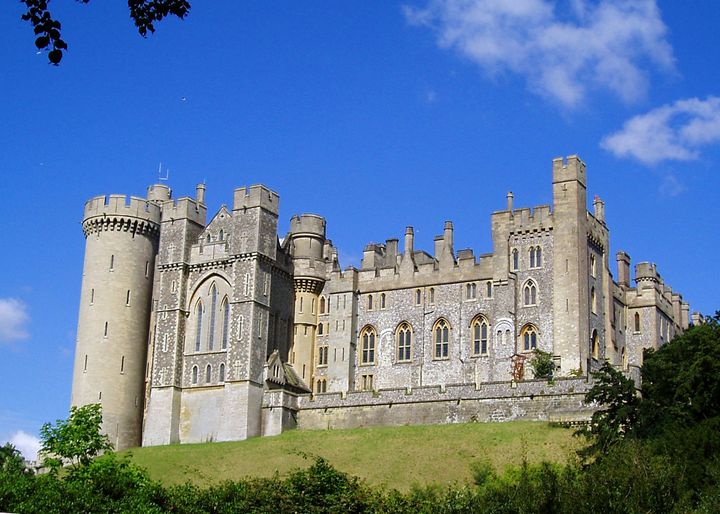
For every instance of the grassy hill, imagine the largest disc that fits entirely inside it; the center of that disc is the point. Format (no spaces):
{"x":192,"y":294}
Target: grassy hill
{"x":396,"y":457}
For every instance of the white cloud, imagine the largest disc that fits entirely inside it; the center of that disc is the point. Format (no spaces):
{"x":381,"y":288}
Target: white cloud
{"x":671,"y":132}
{"x":671,"y":186}
{"x":28,"y":444}
{"x":13,"y":320}
{"x":561,"y":51}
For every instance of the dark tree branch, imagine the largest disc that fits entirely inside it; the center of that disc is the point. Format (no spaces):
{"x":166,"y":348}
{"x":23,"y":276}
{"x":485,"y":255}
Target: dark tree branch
{"x":144,"y":14}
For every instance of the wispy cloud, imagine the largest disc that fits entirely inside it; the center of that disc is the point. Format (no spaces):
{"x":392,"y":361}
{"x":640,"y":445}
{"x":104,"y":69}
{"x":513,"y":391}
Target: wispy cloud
{"x":27,"y":444}
{"x":13,"y":320}
{"x":671,"y":132}
{"x":606,"y":44}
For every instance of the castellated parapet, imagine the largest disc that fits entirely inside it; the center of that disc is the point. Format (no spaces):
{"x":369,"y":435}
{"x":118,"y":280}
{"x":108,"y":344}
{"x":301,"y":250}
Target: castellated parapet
{"x":246,"y":334}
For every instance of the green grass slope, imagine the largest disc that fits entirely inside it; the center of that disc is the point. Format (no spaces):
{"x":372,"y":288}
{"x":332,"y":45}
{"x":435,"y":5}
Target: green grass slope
{"x":394,"y":457}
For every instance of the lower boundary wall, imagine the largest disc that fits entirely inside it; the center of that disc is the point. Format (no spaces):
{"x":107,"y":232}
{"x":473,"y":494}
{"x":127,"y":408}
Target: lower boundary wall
{"x":536,"y":400}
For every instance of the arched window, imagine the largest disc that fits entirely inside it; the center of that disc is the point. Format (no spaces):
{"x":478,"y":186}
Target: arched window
{"x":208,"y":373}
{"x":312,"y":306}
{"x":595,"y":345}
{"x":529,"y":293}
{"x":418,"y":297}
{"x":382,"y":300}
{"x":538,"y":257}
{"x":593,"y":267}
{"x":370,"y":302}
{"x":198,"y":324}
{"x":532,"y":256}
{"x":515,"y":260}
{"x":432,"y":295}
{"x":529,"y":337}
{"x":320,"y":329}
{"x":222,"y":373}
{"x":194,"y":374}
{"x":207,"y":239}
{"x":488,"y":289}
{"x":637,"y":322}
{"x":226,"y":322}
{"x":322,"y":305}
{"x":213,"y":312}
{"x":593,"y":301}
{"x":403,"y":337}
{"x":441,"y":332}
{"x":367,"y":339}
{"x":470,"y":291}
{"x":221,"y":235}
{"x":479,"y":328}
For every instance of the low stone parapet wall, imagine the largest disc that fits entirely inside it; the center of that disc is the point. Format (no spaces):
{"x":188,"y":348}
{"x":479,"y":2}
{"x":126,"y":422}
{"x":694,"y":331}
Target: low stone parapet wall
{"x":538,"y":400}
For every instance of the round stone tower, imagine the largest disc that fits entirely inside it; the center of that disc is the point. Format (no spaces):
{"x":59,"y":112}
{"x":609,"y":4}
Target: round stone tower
{"x":122,"y":235}
{"x":308,"y":240}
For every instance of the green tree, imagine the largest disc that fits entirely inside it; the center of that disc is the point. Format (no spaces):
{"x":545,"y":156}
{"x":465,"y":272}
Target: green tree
{"x":75,"y":440}
{"x":11,"y":460}
{"x":681,"y":380}
{"x":542,"y":364}
{"x":617,"y":394}
{"x":144,"y":13}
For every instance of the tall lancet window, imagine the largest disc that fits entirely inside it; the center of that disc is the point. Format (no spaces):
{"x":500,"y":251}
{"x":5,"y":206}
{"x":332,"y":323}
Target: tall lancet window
{"x":213,"y":309}
{"x":226,"y":322}
{"x":198,"y":324}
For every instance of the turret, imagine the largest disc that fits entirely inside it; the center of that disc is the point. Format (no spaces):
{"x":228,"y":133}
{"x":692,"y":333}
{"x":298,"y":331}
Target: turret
{"x":307,"y":234}
{"x":121,"y":244}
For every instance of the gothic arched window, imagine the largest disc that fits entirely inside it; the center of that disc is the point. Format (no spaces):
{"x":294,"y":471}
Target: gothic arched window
{"x":595,"y":345}
{"x":222,"y":373}
{"x":208,"y":373}
{"x":367,"y":339}
{"x":479,"y":329}
{"x":441,"y":333}
{"x":529,"y":293}
{"x":194,"y":374}
{"x":403,"y":337}
{"x":515,"y":260}
{"x":198,"y":324}
{"x":529,"y":337}
{"x":213,"y":313}
{"x":226,"y":322}
{"x":637,"y":322}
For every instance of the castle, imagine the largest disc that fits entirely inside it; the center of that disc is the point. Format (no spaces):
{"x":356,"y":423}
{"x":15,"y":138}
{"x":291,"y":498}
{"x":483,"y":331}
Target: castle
{"x":192,"y":331}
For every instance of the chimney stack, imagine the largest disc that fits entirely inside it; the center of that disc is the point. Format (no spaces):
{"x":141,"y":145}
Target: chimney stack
{"x":200,"y":194}
{"x":510,"y":201}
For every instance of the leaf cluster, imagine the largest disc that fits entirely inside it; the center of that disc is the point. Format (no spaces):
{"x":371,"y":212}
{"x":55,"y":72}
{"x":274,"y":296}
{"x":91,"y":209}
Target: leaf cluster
{"x":542,"y":364}
{"x":76,"y":440}
{"x":144,"y":13}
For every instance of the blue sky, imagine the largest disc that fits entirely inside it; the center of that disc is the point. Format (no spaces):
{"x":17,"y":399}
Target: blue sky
{"x":376,"y":115}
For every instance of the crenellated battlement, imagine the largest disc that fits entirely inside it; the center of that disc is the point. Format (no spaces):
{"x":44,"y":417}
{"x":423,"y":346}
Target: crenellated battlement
{"x":256,"y":196}
{"x":307,"y":224}
{"x":569,"y":168}
{"x":122,"y":205}
{"x":121,"y":213}
{"x":184,"y":208}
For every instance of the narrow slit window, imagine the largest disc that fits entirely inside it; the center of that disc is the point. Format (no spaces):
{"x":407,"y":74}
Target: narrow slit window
{"x":127,"y":298}
{"x":85,"y":365}
{"x":105,"y":331}
{"x":122,"y":364}
{"x":112,"y":262}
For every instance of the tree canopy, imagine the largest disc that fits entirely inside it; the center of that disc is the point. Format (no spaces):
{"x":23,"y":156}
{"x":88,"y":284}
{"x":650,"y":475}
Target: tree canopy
{"x":77,"y":439}
{"x":144,"y":13}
